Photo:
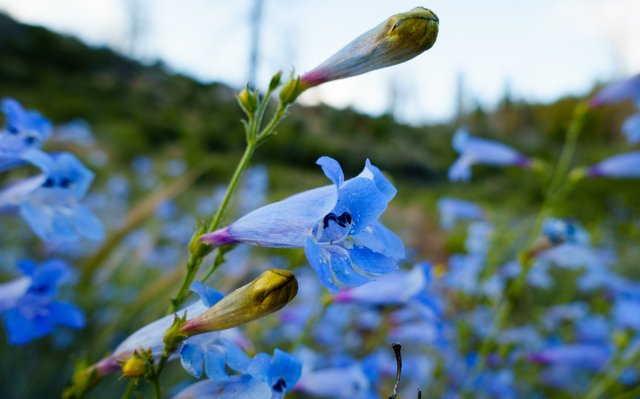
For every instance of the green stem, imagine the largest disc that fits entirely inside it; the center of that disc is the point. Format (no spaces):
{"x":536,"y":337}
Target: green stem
{"x":219,"y":259}
{"x":553,"y":195}
{"x":610,"y":378}
{"x":130,"y":388}
{"x":242,"y":165}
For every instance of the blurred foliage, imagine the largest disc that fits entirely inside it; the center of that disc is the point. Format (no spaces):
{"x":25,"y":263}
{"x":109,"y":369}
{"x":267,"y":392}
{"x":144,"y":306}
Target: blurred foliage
{"x":137,"y":109}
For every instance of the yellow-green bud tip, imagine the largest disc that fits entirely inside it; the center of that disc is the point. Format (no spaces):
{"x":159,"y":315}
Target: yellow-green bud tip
{"x":268,"y":293}
{"x":134,"y":367}
{"x":398,"y":39}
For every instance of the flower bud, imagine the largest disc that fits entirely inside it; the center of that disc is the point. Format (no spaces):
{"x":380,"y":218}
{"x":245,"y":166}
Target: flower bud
{"x":134,"y":367}
{"x":248,"y":101}
{"x":398,"y":39}
{"x":268,"y":293}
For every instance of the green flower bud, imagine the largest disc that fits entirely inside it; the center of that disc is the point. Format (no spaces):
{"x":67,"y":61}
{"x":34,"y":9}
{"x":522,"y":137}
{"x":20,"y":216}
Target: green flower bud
{"x":248,"y":101}
{"x":135,"y":367}
{"x":268,"y":293}
{"x":398,"y":39}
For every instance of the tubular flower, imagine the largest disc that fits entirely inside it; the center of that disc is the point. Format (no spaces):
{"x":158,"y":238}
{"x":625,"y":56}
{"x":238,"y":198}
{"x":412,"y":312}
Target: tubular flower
{"x":28,"y":306}
{"x":49,"y":202}
{"x":23,"y":133}
{"x":454,"y":209}
{"x":214,"y":312}
{"x":475,"y":150}
{"x":627,"y":89}
{"x":398,"y":39}
{"x":625,"y":165}
{"x":336,"y":225}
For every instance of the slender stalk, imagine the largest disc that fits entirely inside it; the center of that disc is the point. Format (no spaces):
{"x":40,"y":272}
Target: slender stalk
{"x":129,"y":391}
{"x":610,"y":378}
{"x":242,"y":165}
{"x":553,"y":195}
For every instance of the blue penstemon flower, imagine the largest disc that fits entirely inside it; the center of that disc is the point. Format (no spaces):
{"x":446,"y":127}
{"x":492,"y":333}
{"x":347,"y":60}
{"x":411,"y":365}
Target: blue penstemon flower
{"x":23,"y":134}
{"x":475,"y":150}
{"x":336,"y":225}
{"x":28,"y":303}
{"x":49,"y":202}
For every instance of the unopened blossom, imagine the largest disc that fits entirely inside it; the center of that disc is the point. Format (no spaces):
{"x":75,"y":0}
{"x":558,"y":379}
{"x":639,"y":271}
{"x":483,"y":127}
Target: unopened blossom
{"x":454,"y":209}
{"x":336,"y":225}
{"x":213,"y":312}
{"x":28,"y":305}
{"x":24,"y":132}
{"x":398,"y":39}
{"x":49,"y":202}
{"x":626,"y":165}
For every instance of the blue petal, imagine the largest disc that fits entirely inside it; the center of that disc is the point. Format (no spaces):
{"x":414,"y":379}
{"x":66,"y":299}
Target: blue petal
{"x":214,"y":363}
{"x":460,"y":139}
{"x":343,"y":271}
{"x":363,"y":201}
{"x":332,"y":170}
{"x":286,"y":223}
{"x":86,"y":224}
{"x":286,"y":367}
{"x":259,"y":367}
{"x":208,"y":296}
{"x":631,"y":129}
{"x":192,"y":358}
{"x":381,"y":182}
{"x":380,"y":239}
{"x":38,"y":219}
{"x":235,"y":357}
{"x":236,"y":388}
{"x":319,"y":261}
{"x":66,"y":314}
{"x":371,"y":262}
{"x":461,"y":169}
{"x":22,"y":330}
{"x":27,"y":267}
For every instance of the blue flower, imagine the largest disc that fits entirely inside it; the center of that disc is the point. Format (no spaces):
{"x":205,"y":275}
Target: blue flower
{"x":395,"y":288}
{"x":264,"y":377}
{"x":49,"y":202}
{"x":454,"y":209}
{"x":475,"y":150}
{"x":344,"y":382}
{"x":214,"y":351}
{"x":625,"y":165}
{"x":28,"y":303}
{"x":24,"y":131}
{"x":631,"y":129}
{"x":150,"y":337}
{"x":627,"y":89}
{"x":579,"y":356}
{"x":559,"y":231}
{"x":336,"y":225}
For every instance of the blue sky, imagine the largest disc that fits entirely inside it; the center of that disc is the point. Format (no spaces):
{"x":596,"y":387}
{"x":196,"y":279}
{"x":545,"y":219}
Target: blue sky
{"x":540,"y":49}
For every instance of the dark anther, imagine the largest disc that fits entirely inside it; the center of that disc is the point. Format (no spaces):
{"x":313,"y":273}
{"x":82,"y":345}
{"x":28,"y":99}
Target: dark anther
{"x":30,"y":140}
{"x":65,"y":182}
{"x":12,"y":129}
{"x":344,"y":219}
{"x":325,"y":222}
{"x":280,"y":385}
{"x":49,"y":182}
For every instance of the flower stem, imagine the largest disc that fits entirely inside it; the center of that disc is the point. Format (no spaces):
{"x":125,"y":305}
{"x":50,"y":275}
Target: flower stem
{"x":130,"y":388}
{"x":554,"y":193}
{"x":611,"y":377}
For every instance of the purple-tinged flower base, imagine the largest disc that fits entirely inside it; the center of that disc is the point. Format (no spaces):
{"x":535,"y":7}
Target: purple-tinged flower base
{"x":219,"y":237}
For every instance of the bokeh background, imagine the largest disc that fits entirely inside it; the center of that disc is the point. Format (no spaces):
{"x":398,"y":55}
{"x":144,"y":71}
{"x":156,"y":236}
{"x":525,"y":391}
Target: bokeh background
{"x":154,"y":80}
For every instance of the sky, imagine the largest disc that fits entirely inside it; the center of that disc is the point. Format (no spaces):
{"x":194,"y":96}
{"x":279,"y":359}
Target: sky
{"x":537,"y":50}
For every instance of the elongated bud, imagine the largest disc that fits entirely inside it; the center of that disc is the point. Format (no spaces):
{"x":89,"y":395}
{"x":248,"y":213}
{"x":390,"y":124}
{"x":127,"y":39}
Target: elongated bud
{"x":268,"y":293}
{"x":398,"y":39}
